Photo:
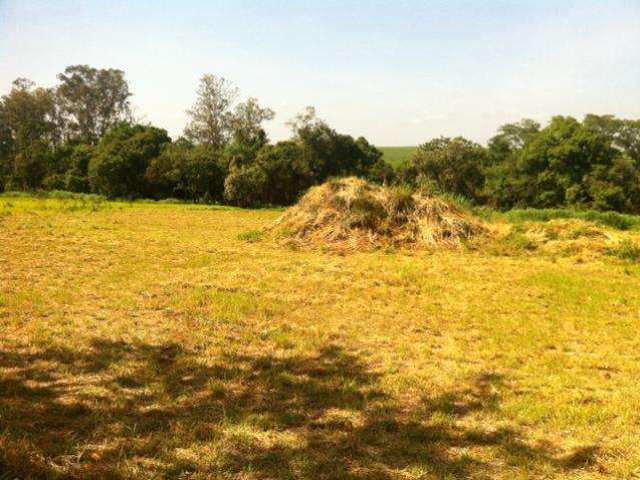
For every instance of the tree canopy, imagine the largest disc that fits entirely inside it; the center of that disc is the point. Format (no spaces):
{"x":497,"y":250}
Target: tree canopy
{"x":79,"y":135}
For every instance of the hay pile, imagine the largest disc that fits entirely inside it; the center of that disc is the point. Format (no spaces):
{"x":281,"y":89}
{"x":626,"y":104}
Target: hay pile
{"x":352,"y":214}
{"x":564,"y":230}
{"x":570,"y":236}
{"x":563,"y":237}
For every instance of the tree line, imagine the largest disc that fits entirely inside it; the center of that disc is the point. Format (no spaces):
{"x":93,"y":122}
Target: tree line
{"x":81,"y":136}
{"x":588,"y":164}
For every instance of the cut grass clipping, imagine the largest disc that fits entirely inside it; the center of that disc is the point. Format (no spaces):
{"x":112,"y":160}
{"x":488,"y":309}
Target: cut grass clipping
{"x":571,"y":237}
{"x":351,"y":214}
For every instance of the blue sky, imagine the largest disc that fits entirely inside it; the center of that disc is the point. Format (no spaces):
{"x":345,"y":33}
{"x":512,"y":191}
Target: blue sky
{"x":397,"y":72}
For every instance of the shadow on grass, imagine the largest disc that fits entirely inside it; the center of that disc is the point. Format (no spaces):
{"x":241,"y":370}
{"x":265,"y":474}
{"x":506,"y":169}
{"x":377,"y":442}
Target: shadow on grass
{"x":138,"y":410}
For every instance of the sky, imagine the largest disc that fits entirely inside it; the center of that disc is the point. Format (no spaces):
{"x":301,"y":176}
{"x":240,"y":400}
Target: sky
{"x":397,"y":72}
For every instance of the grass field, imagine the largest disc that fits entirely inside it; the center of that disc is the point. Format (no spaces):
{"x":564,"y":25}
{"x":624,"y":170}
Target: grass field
{"x":396,"y":155}
{"x":172,"y":341}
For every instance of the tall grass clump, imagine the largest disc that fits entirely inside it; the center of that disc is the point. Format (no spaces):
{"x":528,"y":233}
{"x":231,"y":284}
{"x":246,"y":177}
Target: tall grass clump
{"x":627,"y":250}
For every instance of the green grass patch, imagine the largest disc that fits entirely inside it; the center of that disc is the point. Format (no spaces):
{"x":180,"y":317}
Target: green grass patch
{"x":396,"y":156}
{"x":252,"y":236}
{"x":619,"y":221}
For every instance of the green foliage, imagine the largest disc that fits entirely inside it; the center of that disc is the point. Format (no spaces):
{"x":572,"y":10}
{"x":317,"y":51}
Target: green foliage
{"x":26,"y":128}
{"x":187,"y":172}
{"x":280,"y":173}
{"x":329,"y":154}
{"x":92,"y":100}
{"x":252,"y":236}
{"x":54,"y":181}
{"x":449,"y":165}
{"x":29,"y":168}
{"x":117,"y":169}
{"x":77,"y":136}
{"x":381,"y":172}
{"x":202,"y":175}
{"x":245,"y":186}
{"x":593,"y":164}
{"x":77,"y":179}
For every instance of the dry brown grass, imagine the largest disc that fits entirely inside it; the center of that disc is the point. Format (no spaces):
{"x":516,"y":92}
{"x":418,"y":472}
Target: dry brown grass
{"x":351,"y":214}
{"x":580,"y":239}
{"x":163,"y":341}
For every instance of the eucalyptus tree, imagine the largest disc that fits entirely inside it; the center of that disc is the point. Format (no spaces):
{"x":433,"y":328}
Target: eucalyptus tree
{"x":92,"y":100}
{"x":210,"y":117}
{"x":216,"y":119}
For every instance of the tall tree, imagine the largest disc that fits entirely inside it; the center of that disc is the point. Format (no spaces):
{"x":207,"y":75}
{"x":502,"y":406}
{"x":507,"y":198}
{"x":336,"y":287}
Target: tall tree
{"x":92,"y":100}
{"x":624,"y":134}
{"x":211,"y":118}
{"x":304,"y":120}
{"x":247,"y":120}
{"x":26,"y":130}
{"x":511,"y":138}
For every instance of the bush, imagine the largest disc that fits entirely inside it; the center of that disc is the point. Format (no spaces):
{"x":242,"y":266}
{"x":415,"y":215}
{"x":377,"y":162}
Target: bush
{"x":75,"y":183}
{"x":121,"y":159}
{"x":328,"y":153}
{"x":448,"y":165}
{"x":244,"y":187}
{"x":277,"y":177}
{"x":77,"y":176}
{"x":54,"y":181}
{"x":204,"y":175}
{"x":381,"y":172}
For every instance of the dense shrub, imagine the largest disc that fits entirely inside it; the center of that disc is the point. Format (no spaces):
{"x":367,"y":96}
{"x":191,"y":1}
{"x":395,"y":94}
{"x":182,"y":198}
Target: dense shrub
{"x":280,"y":173}
{"x":186,"y":172}
{"x":453,"y":165}
{"x":329,"y":154}
{"x":28,"y":168}
{"x":117,"y":169}
{"x":589,"y":164}
{"x":77,"y":176}
{"x":286,"y":175}
{"x":244,"y":186}
{"x":381,"y":172}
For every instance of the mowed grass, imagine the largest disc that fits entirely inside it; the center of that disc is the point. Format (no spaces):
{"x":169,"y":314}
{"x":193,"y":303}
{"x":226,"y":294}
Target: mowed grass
{"x":396,"y":156}
{"x":172,"y":341}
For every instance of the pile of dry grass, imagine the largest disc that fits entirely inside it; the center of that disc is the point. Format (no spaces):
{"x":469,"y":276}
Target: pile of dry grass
{"x":556,"y":237}
{"x":352,"y":214}
{"x":564,"y":230}
{"x":571,"y":237}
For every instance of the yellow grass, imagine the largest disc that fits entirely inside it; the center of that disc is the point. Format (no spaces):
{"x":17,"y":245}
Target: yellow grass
{"x":164,"y":341}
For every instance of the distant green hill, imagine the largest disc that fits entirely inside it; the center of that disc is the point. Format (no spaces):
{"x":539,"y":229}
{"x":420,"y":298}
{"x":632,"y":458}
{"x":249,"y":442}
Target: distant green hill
{"x":396,"y":155}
